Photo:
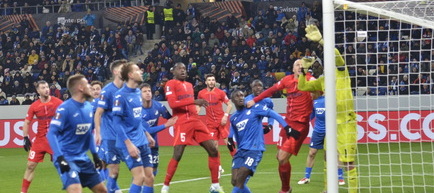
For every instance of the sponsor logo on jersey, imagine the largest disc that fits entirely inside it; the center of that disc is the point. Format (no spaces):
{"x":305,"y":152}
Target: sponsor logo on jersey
{"x":242,"y":124}
{"x":82,"y":129}
{"x":320,"y":111}
{"x":137,"y":112}
{"x":152,"y":122}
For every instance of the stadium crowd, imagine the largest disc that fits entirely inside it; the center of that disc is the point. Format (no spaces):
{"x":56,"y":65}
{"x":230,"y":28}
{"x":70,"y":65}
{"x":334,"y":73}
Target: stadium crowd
{"x":236,"y":51}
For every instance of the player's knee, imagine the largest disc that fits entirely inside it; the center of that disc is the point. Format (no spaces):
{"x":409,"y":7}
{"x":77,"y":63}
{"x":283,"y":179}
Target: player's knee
{"x":31,"y":166}
{"x":234,"y":181}
{"x":312,"y":154}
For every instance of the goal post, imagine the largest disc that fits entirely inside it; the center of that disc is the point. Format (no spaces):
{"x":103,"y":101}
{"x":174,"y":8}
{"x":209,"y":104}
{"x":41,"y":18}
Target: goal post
{"x":388,"y":48}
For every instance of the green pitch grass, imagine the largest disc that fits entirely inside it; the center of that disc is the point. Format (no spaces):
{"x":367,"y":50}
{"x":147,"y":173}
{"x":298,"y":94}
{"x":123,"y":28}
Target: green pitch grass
{"x":193,"y":175}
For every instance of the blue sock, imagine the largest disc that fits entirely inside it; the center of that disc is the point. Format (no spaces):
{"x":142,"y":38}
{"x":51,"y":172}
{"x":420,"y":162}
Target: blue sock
{"x":236,"y":190}
{"x":135,"y":189}
{"x":147,"y":189}
{"x":106,"y":173}
{"x":340,"y":173}
{"x":308,"y":171}
{"x":112,"y":185}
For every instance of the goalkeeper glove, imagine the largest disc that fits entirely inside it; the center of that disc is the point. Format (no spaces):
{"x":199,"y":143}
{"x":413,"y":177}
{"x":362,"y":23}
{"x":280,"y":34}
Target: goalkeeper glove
{"x":97,"y":161}
{"x":231,"y":144}
{"x":27,"y":143}
{"x":267,"y":128}
{"x":313,"y":34}
{"x":290,"y":132}
{"x":63,"y":164}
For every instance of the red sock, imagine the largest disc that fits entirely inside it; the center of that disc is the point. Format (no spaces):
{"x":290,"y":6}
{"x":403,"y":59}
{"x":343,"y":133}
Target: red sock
{"x":171,"y":169}
{"x":213,"y":164}
{"x":25,"y":185}
{"x":285,"y":176}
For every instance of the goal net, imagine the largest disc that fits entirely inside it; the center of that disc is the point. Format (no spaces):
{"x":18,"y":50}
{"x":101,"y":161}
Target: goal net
{"x":388,"y":49}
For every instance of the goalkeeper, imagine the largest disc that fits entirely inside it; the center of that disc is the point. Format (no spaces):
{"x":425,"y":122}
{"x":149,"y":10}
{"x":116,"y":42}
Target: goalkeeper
{"x":346,"y":117}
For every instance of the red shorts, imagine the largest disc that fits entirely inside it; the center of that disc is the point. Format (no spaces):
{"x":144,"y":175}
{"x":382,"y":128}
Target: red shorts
{"x":219,"y":131}
{"x":190,"y":130}
{"x":39,"y":148}
{"x":292,"y":145}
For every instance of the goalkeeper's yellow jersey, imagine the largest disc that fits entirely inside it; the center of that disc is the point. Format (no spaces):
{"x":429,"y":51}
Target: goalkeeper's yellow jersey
{"x":344,"y":96}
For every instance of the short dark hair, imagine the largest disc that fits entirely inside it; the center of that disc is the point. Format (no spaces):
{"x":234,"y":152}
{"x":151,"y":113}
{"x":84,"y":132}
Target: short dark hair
{"x":117,"y":63}
{"x":40,"y":82}
{"x":72,"y":81}
{"x":235,"y":91}
{"x":125,"y":70}
{"x":97,"y":82}
{"x":145,"y":85}
{"x":209,"y":75}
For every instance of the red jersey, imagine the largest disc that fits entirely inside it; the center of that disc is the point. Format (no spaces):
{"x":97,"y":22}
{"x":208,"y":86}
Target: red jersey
{"x":44,"y":112}
{"x":215,"y":98}
{"x":180,"y":96}
{"x":299,"y":103}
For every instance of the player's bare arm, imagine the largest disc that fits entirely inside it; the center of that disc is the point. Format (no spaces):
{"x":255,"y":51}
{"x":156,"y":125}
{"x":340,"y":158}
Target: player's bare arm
{"x":97,"y":121}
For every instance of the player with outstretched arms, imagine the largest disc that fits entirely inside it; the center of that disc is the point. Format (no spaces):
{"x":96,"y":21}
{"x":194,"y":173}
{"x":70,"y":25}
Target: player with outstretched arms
{"x":132,"y":139}
{"x":257,"y":88}
{"x":44,"y":109}
{"x":345,"y":114}
{"x":71,"y":137}
{"x":216,"y":118}
{"x":188,"y":128}
{"x":105,"y":133}
{"x":298,"y":110}
{"x":246,"y":128}
{"x":151,"y":112}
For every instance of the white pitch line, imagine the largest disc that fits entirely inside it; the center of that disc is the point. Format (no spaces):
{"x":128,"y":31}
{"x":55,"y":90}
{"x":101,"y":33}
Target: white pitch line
{"x":182,"y":181}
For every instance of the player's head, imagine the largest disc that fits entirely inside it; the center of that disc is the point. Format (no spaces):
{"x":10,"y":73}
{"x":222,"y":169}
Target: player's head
{"x":210,"y":81}
{"x":116,"y":66}
{"x":237,"y":97}
{"x":96,"y":88}
{"x":77,"y":85}
{"x":296,"y":68}
{"x":179,"y":71}
{"x":42,"y":88}
{"x":130,"y":71}
{"x":145,"y":88}
{"x":257,"y":87}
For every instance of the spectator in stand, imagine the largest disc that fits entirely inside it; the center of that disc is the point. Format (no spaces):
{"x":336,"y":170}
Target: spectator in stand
{"x":4,"y":100}
{"x":27,"y":100}
{"x":89,"y":18}
{"x":14,"y":101}
{"x":54,"y":91}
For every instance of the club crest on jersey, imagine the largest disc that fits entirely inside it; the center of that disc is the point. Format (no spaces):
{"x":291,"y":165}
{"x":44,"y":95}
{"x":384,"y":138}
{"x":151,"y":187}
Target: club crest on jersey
{"x":242,"y":124}
{"x":82,"y":129}
{"x":137,"y":112}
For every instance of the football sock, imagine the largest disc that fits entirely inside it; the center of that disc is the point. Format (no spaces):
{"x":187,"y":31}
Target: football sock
{"x":25,"y":185}
{"x":135,"y":188}
{"x":285,"y":175}
{"x":213,"y":165}
{"x":352,"y":181}
{"x":147,"y":189}
{"x":112,"y":185}
{"x":171,"y":169}
{"x":340,"y":173}
{"x":307,"y":173}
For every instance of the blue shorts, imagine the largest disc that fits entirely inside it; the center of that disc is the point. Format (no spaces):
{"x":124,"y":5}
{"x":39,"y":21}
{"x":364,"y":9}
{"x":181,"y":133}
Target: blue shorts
{"x":112,"y":154}
{"x":155,"y":156}
{"x":81,"y":172}
{"x":247,"y":158}
{"x":317,"y":140}
{"x":145,"y":159}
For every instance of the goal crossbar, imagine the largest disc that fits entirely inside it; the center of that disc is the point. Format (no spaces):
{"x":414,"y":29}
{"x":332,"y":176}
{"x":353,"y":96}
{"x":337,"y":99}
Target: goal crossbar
{"x":419,"y":12}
